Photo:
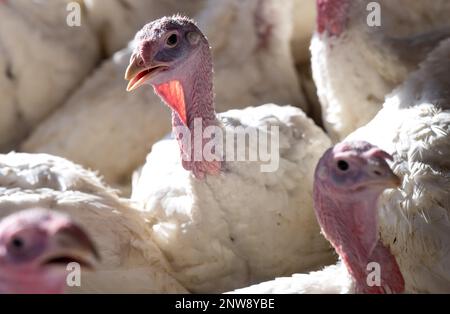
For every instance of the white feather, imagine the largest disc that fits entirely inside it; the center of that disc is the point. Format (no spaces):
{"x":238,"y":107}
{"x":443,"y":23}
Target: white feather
{"x":243,"y":226}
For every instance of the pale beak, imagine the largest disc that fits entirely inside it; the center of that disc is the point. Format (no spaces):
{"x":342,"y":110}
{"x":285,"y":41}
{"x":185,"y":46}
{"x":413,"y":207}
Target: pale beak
{"x":383,"y":175}
{"x":71,"y":244}
{"x":393,"y":181}
{"x":379,"y":170}
{"x":133,"y":69}
{"x":138,"y":75}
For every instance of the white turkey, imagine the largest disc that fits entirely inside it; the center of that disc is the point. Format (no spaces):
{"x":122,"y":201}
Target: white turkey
{"x":116,"y":130}
{"x":348,"y":181}
{"x":42,"y":60}
{"x":221,"y":222}
{"x":130,"y":260}
{"x":356,"y":64}
{"x":249,"y":39}
{"x":414,"y":127}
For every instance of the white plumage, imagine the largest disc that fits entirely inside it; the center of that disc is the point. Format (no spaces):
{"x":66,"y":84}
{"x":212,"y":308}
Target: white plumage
{"x":243,"y":226}
{"x":251,"y":47}
{"x":131,"y":262}
{"x":413,"y":126}
{"x":333,"y":279}
{"x":355,"y":70}
{"x":115,"y":130}
{"x":42,"y":60}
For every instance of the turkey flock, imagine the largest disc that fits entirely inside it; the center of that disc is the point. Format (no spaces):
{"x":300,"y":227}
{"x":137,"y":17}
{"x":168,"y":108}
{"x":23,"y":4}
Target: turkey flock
{"x":351,"y":96}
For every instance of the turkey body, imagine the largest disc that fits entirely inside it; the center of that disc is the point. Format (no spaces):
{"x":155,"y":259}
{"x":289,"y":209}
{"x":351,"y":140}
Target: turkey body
{"x":333,"y":279}
{"x":248,"y":40}
{"x":243,"y":226}
{"x":355,"y":69}
{"x":413,"y":126}
{"x":130,"y":260}
{"x":41,"y":62}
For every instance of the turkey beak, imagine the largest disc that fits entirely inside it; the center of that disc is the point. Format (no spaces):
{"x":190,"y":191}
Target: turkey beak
{"x":133,"y":69}
{"x":379,"y":170}
{"x":381,"y":174}
{"x":394,"y":181}
{"x":132,"y":73}
{"x":70,"y":244}
{"x":388,"y":179}
{"x":137,"y":74}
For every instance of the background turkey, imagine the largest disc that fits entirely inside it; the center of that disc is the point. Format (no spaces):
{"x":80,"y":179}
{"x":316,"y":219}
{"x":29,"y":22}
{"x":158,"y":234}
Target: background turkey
{"x":42,"y":60}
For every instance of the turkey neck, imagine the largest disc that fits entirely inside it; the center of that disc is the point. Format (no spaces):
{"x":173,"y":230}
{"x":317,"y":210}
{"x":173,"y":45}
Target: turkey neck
{"x":332,"y":16}
{"x":351,"y":227}
{"x":198,"y":93}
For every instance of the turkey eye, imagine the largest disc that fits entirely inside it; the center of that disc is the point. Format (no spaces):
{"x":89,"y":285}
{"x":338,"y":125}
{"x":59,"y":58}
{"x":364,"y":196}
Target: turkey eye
{"x":343,"y":165}
{"x":17,"y":243}
{"x":172,"y":41}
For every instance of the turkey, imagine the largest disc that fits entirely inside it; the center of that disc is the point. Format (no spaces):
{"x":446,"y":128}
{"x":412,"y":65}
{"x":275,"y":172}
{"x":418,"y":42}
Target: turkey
{"x":116,"y":22}
{"x":249,"y":39}
{"x":414,"y":127}
{"x":35,"y":248}
{"x":130,"y":260}
{"x":224,"y":223}
{"x":126,"y":126}
{"x":41,"y":61}
{"x":355,"y":65}
{"x":349,"y":179}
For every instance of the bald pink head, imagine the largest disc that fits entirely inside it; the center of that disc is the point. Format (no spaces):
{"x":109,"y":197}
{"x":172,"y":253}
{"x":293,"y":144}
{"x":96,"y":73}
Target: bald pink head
{"x":171,"y":55}
{"x":35,"y":248}
{"x":349,"y":179}
{"x":332,"y":16}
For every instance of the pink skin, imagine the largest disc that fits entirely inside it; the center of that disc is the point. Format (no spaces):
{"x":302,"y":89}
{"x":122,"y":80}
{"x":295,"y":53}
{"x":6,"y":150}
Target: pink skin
{"x":35,"y":248}
{"x":181,"y":75}
{"x":349,"y":179}
{"x":332,"y":16}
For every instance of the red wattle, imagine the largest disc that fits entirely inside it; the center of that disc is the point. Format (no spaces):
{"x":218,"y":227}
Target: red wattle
{"x":173,"y":94}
